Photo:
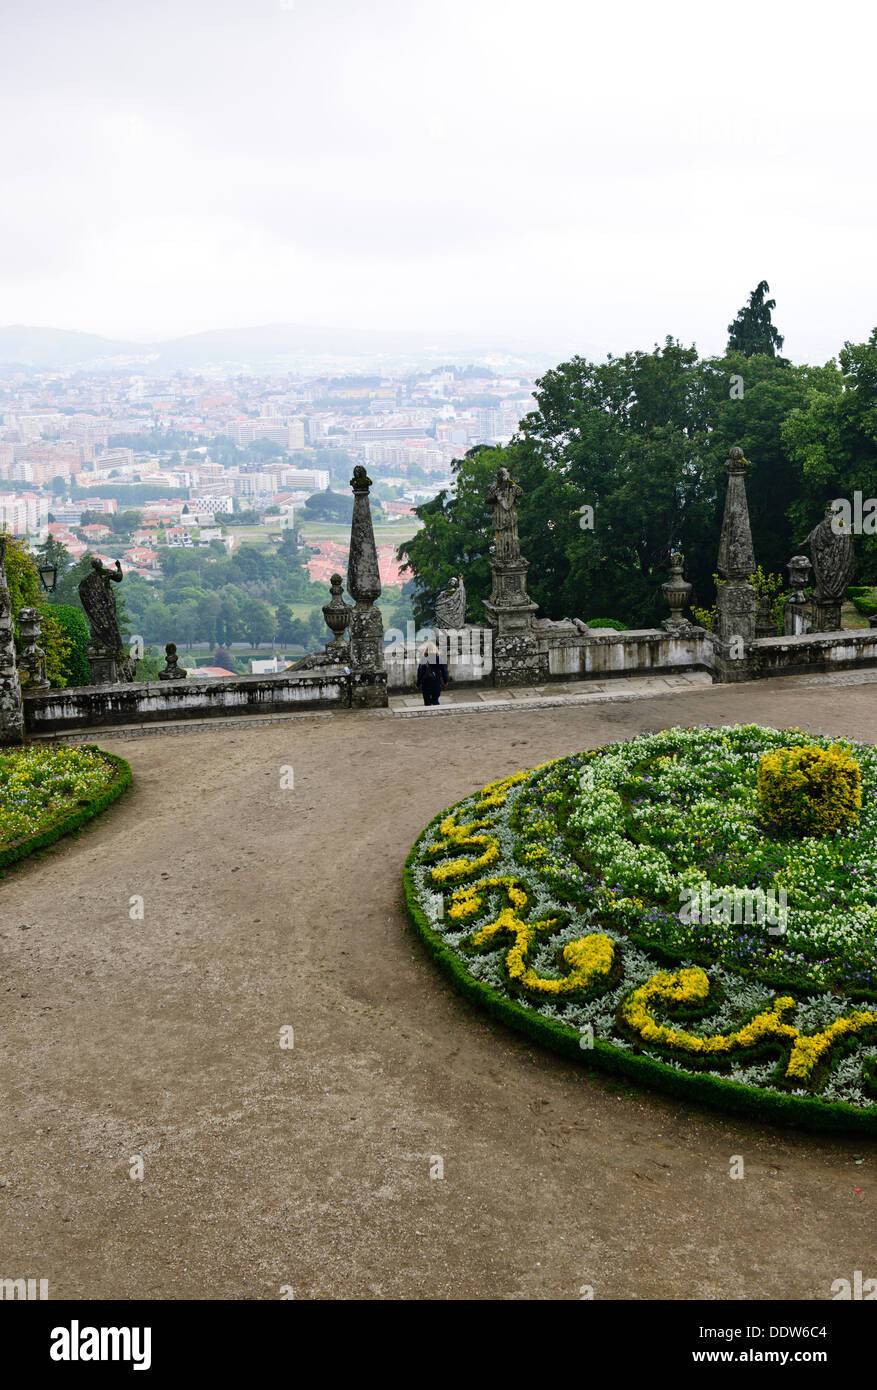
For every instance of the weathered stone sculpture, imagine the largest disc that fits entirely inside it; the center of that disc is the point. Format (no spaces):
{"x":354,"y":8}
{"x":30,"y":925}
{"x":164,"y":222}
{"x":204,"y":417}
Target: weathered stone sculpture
{"x":736,"y":601}
{"x":450,"y":606}
{"x":502,"y":498}
{"x":172,"y":670}
{"x":677,"y":592}
{"x":104,"y":651}
{"x":369,"y":684}
{"x":797,"y":617}
{"x":337,"y":617}
{"x":11,"y":708}
{"x":834,"y":565}
{"x":32,"y":662}
{"x":517,"y":659}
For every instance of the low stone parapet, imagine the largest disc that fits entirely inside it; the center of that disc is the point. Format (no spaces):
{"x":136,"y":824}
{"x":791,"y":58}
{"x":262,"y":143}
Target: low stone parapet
{"x":467,"y":652}
{"x":149,"y":702}
{"x":603,"y":652}
{"x":814,"y":651}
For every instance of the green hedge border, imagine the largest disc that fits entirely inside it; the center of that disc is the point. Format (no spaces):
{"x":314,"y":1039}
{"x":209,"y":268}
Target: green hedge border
{"x":713,"y":1091}
{"x":122,"y":778}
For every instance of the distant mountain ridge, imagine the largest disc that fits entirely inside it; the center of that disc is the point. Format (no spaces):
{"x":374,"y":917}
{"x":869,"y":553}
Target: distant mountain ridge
{"x":277,"y":346}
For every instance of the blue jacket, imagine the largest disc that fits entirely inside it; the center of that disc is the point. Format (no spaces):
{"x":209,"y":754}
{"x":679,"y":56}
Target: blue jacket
{"x":432,"y":674}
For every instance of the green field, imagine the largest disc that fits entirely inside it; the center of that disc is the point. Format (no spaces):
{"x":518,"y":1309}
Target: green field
{"x":386,"y":532}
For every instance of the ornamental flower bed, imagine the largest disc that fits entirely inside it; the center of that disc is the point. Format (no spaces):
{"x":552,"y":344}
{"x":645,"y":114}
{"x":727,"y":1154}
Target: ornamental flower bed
{"x":48,"y":792}
{"x":634,"y":907}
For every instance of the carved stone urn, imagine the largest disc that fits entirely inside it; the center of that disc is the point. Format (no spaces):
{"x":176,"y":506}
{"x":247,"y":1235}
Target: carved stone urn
{"x":799,"y":577}
{"x":677,"y":593}
{"x":337,"y":615}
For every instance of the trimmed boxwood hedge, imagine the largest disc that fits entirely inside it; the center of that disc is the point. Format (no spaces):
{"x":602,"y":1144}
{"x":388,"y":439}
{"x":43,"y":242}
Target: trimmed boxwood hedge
{"x":75,"y":818}
{"x":725,"y":1094}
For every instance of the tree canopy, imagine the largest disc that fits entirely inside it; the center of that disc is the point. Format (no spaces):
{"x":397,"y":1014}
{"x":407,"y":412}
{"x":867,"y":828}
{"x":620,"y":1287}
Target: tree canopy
{"x":621,"y":463}
{"x":752,"y":331}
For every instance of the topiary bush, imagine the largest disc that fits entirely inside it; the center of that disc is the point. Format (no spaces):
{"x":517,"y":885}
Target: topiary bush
{"x":607,"y":622}
{"x":809,"y":790}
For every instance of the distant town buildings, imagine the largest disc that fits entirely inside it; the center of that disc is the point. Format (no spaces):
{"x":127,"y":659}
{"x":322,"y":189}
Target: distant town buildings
{"x":193,"y":450}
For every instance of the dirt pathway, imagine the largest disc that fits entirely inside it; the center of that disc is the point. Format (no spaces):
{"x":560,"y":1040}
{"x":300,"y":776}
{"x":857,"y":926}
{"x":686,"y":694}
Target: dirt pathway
{"x":263,"y":1167}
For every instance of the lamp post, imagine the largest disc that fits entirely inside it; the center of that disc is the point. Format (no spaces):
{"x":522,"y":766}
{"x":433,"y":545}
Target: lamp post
{"x":48,"y":577}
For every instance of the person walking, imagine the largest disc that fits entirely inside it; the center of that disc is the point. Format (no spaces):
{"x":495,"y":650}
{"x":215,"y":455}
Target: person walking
{"x":432,"y":675}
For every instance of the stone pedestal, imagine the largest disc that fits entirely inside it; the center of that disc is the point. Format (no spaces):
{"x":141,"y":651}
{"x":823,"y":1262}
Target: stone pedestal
{"x":32,"y":662}
{"x":735,"y":629}
{"x":510,"y":612}
{"x":366,"y":638}
{"x":798,"y":617}
{"x":826,"y":614}
{"x":103,"y":664}
{"x":765,"y":625}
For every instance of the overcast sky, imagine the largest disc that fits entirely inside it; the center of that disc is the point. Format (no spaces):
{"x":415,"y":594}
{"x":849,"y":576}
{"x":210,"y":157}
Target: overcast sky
{"x":594,"y":177}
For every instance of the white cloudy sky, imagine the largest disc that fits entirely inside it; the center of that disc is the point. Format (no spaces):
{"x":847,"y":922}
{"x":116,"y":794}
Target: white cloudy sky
{"x":594,"y":177}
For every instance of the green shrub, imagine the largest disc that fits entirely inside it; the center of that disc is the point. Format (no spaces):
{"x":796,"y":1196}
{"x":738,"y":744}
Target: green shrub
{"x":74,"y":626}
{"x":608,"y":622}
{"x":25,"y":591}
{"x":809,"y":791}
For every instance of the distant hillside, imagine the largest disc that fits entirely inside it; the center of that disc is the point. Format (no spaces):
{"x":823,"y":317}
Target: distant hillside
{"x":271,"y":347}
{"x":51,"y":349}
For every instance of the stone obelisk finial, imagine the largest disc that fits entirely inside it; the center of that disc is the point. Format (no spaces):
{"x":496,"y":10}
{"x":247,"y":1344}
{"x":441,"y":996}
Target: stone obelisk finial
{"x":736,"y":601}
{"x":364,"y":585}
{"x":736,"y":555}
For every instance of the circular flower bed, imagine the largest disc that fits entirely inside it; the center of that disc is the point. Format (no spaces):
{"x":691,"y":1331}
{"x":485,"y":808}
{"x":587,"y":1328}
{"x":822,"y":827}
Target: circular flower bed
{"x":46,"y":792}
{"x":639,"y":907}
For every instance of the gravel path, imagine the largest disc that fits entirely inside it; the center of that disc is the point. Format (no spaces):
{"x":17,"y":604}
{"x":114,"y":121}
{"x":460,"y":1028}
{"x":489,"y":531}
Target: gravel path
{"x":309,"y":1167}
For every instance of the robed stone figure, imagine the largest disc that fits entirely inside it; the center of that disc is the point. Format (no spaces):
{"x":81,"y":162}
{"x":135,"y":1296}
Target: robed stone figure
{"x":99,"y":602}
{"x":502,"y":498}
{"x":450,"y":606}
{"x":833,"y":559}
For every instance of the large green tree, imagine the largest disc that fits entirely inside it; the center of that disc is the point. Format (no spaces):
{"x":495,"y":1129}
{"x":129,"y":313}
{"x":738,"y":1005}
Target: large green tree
{"x":832,"y":438}
{"x":752,"y":331}
{"x":641,"y":441}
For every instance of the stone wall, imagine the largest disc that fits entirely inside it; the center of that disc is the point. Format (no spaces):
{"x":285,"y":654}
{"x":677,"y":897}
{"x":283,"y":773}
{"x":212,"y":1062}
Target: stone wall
{"x":97,"y":706}
{"x":603,"y":652}
{"x":824,"y":651}
{"x":467,"y":652}
{"x":571,"y":656}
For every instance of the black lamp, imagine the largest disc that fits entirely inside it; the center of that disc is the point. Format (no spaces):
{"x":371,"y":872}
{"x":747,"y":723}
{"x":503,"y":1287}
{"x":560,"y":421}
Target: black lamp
{"x":48,"y":577}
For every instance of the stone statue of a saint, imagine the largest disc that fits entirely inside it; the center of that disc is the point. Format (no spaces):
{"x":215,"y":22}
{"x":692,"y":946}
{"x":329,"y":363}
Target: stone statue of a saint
{"x":834,"y":562}
{"x":450,"y":605}
{"x":99,"y":602}
{"x":104,"y":651}
{"x":502,"y":498}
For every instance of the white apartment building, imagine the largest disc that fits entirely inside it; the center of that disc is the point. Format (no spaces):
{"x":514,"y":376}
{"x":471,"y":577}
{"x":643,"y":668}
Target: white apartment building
{"x":315,"y":478}
{"x":210,"y":506}
{"x":116,"y":458}
{"x":25,"y":514}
